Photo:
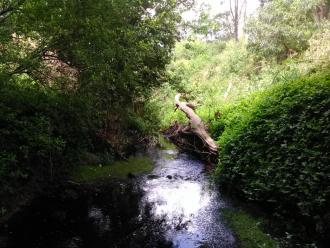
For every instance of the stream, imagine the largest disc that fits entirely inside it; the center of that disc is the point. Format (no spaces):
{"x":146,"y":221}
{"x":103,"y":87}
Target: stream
{"x":175,"y":205}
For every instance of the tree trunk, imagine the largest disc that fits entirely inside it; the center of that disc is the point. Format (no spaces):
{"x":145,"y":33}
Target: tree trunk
{"x":192,"y":137}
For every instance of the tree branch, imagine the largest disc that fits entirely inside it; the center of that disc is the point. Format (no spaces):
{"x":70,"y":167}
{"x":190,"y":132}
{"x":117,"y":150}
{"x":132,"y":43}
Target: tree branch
{"x":5,"y":11}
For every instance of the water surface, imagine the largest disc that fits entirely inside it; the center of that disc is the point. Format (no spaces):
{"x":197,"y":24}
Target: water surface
{"x":180,"y":193}
{"x":176,"y":205}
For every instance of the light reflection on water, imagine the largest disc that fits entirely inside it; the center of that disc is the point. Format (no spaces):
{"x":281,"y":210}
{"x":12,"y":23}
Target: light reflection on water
{"x":181,"y":195}
{"x":100,"y":221}
{"x":175,"y":206}
{"x":176,"y":199}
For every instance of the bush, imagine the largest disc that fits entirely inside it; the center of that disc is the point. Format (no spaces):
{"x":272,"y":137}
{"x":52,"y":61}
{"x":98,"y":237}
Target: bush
{"x":41,"y":134}
{"x":282,"y":28}
{"x":275,"y":151}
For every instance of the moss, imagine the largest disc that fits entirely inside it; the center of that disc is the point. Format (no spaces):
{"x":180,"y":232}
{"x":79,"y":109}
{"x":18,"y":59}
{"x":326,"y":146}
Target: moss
{"x":119,"y":169}
{"x":248,"y":229}
{"x":165,"y":144}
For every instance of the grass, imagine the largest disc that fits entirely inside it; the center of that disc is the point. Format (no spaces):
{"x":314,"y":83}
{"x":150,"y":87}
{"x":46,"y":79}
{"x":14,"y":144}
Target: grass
{"x":119,"y":169}
{"x":248,"y":230}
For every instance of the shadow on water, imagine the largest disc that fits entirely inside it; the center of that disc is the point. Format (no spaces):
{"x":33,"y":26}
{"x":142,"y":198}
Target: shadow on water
{"x":103,"y":215}
{"x":174,"y":206}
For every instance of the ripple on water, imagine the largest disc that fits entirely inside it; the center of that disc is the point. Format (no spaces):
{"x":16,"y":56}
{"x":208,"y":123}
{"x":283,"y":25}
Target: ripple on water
{"x":183,"y":197}
{"x":179,"y":207}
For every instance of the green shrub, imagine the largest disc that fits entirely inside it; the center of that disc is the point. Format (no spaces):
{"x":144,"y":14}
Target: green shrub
{"x":275,"y":151}
{"x":281,"y":28}
{"x":41,"y":134}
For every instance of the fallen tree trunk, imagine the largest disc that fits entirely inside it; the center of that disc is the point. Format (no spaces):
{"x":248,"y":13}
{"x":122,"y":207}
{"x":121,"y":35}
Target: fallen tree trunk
{"x":193,"y":136}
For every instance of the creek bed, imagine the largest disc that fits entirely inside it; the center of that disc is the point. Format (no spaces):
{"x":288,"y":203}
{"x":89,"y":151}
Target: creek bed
{"x":176,"y":205}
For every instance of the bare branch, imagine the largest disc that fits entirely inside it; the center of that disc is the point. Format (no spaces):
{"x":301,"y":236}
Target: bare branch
{"x":5,"y":11}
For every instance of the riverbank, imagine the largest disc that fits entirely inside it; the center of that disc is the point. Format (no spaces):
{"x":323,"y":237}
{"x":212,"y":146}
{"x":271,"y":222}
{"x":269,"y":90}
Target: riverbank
{"x":131,"y":167}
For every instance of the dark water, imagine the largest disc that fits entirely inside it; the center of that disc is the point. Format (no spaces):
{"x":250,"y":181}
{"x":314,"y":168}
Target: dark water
{"x":174,"y":206}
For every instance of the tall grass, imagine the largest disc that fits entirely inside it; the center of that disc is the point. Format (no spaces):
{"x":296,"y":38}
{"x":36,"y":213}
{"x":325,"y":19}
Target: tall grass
{"x":216,"y":74}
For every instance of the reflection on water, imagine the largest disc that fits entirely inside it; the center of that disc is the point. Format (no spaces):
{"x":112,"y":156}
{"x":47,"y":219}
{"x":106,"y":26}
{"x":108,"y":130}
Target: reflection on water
{"x":100,"y":221}
{"x":173,"y":200}
{"x":174,"y":206}
{"x":180,"y":193}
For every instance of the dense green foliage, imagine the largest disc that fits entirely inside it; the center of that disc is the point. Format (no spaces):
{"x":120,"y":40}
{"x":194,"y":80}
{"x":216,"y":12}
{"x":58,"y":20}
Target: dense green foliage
{"x":41,"y":135}
{"x":74,"y":76}
{"x":215,"y":74}
{"x":277,"y":152}
{"x":282,"y":28}
{"x":81,"y":81}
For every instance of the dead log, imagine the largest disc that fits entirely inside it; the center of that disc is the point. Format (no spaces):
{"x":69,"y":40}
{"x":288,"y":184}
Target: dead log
{"x":193,"y":136}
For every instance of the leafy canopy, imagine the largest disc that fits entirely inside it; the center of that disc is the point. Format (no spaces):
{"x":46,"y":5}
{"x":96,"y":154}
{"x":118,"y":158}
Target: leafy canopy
{"x":282,"y":28}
